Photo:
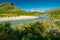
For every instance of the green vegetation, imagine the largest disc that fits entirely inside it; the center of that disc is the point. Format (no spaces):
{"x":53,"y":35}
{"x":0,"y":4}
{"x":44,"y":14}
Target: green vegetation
{"x":54,"y":13}
{"x":48,"y":29}
{"x":31,"y":31}
{"x":8,"y":9}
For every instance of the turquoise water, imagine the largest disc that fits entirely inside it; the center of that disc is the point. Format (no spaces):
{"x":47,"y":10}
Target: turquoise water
{"x":17,"y":22}
{"x":24,"y":21}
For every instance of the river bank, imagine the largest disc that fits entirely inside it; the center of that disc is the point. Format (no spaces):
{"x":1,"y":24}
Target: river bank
{"x":17,"y":18}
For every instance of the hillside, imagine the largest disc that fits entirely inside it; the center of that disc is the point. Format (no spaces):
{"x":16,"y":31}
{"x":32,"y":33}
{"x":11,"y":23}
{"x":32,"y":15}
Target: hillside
{"x":9,"y":9}
{"x":54,"y":12}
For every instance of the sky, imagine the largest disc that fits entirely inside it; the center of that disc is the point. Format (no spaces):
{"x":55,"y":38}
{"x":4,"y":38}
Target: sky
{"x":34,"y":4}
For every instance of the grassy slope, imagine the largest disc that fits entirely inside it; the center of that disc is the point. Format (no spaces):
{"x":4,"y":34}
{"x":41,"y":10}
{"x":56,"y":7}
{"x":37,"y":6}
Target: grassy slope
{"x":8,"y":9}
{"x":54,"y":12}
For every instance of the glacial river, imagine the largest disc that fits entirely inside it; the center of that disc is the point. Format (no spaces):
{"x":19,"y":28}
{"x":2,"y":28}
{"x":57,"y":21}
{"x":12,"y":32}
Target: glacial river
{"x":24,"y":21}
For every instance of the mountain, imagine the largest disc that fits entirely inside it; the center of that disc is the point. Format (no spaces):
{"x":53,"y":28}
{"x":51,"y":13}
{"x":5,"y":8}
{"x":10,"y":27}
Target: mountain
{"x":54,"y":12}
{"x":34,"y":10}
{"x":6,"y":6}
{"x":9,"y":9}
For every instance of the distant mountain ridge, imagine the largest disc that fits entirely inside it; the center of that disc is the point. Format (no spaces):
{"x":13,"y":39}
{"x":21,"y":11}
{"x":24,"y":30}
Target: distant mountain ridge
{"x":6,"y":3}
{"x":6,"y":6}
{"x":9,"y":9}
{"x":36,"y":10}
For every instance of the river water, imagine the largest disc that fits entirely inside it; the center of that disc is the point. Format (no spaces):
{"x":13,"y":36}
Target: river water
{"x":24,"y":21}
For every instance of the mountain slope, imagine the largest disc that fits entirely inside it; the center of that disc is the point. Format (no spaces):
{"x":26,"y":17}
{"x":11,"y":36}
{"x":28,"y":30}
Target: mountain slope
{"x":54,"y":12}
{"x":9,"y":9}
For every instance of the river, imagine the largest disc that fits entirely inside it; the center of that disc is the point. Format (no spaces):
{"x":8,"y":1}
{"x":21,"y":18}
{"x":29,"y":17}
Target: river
{"x":24,"y":21}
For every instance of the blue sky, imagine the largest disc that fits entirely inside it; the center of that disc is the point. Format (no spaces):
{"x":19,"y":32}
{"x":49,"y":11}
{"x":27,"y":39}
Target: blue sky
{"x":34,"y":4}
